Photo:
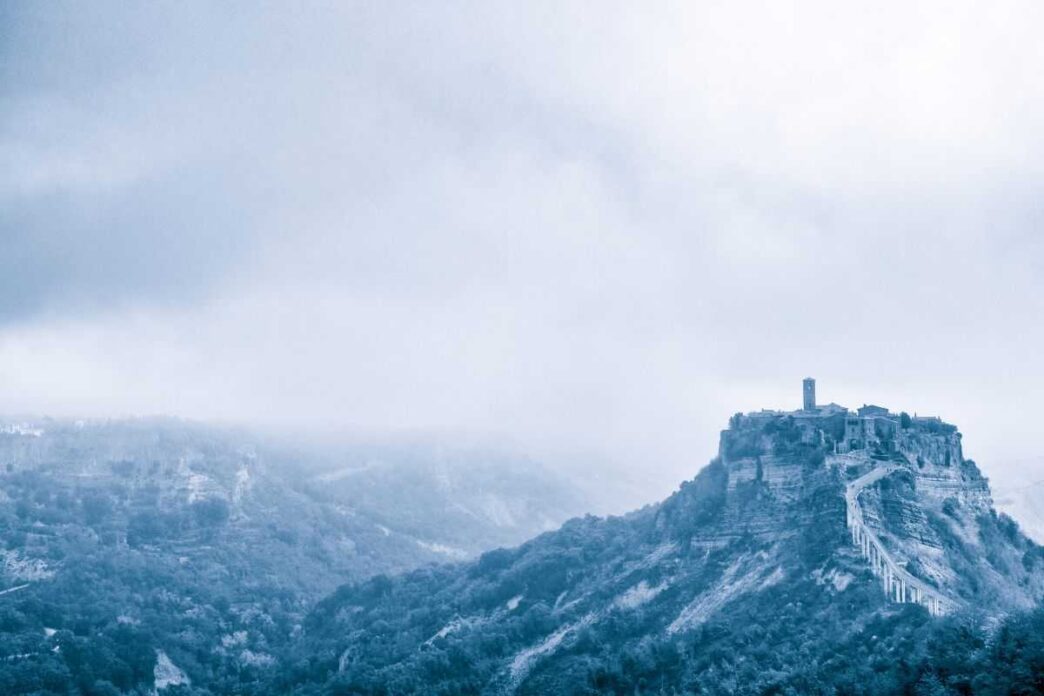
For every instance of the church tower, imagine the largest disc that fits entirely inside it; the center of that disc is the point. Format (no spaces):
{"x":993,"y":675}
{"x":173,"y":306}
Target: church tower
{"x":809,"y":393}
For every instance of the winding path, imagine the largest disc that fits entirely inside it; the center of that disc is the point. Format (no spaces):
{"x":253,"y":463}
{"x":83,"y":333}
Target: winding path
{"x":898,"y":584}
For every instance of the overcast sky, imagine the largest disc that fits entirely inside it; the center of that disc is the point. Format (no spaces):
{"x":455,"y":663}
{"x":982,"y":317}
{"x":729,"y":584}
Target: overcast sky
{"x":594,"y":230}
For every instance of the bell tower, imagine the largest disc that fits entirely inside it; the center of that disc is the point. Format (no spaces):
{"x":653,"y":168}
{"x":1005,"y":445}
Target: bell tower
{"x":808,"y":391}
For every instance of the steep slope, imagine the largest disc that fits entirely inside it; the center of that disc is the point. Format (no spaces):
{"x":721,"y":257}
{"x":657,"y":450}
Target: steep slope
{"x":137,"y":551}
{"x":745,"y":580}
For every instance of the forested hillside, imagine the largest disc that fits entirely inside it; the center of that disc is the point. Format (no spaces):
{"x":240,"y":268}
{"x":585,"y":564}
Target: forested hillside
{"x":744,"y":581}
{"x":161,"y":555}
{"x":157,"y":551}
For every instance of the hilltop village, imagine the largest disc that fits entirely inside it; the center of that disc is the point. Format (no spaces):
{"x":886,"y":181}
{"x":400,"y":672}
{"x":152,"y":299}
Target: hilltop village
{"x":907,"y":490}
{"x":869,"y":427}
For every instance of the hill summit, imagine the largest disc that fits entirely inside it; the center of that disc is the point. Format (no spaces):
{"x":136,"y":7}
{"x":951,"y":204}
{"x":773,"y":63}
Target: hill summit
{"x":822,"y":550}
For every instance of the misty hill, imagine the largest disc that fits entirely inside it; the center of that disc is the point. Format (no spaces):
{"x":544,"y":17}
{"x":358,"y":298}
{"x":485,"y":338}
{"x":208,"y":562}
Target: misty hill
{"x":159,"y":551}
{"x":821,"y":551}
{"x":454,"y":502}
{"x":1025,"y":501}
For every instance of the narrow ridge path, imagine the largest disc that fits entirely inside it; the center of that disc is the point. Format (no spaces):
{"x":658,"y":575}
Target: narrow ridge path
{"x":899,"y":585}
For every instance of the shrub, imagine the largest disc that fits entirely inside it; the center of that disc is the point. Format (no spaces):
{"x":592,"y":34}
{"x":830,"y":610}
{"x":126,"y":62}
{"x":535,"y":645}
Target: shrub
{"x":210,"y":512}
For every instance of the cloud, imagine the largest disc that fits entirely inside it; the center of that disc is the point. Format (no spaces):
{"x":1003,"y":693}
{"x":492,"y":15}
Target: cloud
{"x":597,"y":233}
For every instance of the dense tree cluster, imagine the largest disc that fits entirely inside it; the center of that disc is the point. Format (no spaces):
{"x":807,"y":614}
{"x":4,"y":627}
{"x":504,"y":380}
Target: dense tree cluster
{"x":125,"y":545}
{"x":776,"y":644}
{"x":110,"y":577}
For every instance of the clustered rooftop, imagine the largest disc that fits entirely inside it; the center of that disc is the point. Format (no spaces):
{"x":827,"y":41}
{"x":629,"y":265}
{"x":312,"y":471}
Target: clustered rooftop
{"x":868,"y":424}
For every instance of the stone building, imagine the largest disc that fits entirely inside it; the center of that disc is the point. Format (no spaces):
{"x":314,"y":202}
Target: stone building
{"x":872,"y":410}
{"x":809,"y":394}
{"x":868,"y":427}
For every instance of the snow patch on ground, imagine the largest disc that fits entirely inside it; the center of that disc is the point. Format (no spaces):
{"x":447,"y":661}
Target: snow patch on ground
{"x":567,"y":606}
{"x":450,"y":551}
{"x":256,"y":659}
{"x":231,"y":640}
{"x":745,"y":574}
{"x":458,"y":623}
{"x":774,"y":578}
{"x":13,"y":564}
{"x":452,"y":627}
{"x":638,"y":595}
{"x":650,"y":560}
{"x":524,"y":660}
{"x":658,"y":554}
{"x":344,"y":660}
{"x":842,"y":581}
{"x":166,"y":673}
{"x":838,"y":579}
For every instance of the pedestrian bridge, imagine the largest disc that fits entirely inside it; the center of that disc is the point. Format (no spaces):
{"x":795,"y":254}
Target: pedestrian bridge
{"x":899,"y":585}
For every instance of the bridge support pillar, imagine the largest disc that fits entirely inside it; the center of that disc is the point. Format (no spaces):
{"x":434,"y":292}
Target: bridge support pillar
{"x":898,"y":585}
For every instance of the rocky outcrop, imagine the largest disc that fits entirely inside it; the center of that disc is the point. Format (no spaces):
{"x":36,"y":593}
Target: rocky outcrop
{"x":919,"y":513}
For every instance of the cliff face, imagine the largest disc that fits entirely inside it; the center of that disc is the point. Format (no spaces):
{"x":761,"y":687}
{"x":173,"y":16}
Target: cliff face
{"x":778,"y":480}
{"x":757,"y":549}
{"x":933,"y":510}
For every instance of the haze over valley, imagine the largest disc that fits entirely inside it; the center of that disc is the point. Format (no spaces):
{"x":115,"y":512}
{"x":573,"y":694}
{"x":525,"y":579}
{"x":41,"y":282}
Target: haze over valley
{"x":363,"y":348}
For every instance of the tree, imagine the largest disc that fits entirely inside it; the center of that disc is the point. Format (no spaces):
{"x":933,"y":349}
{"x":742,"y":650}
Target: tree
{"x":103,"y":687}
{"x":96,"y":507}
{"x":210,"y":512}
{"x":145,"y":528}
